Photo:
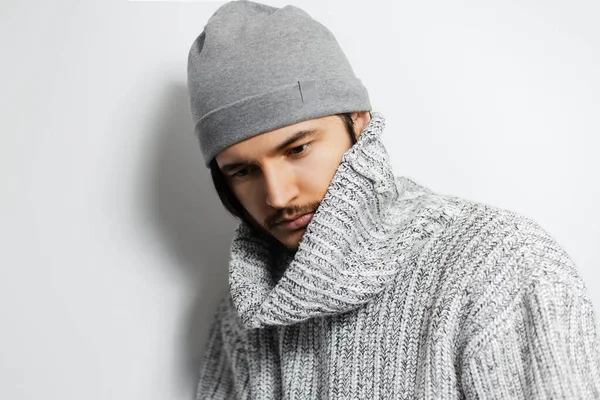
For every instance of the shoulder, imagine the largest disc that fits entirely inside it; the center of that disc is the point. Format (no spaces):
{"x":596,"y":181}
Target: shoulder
{"x":509,"y":266}
{"x":508,"y":248}
{"x":488,"y":239}
{"x":491,"y":253}
{"x":512,"y":247}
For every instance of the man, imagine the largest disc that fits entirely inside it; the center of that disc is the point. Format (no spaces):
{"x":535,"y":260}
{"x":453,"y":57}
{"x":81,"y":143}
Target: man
{"x":347,"y":282}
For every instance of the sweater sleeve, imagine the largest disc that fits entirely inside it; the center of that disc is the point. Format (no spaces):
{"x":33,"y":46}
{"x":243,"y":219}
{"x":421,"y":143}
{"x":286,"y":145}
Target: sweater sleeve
{"x":223,"y":369}
{"x":544,"y":345}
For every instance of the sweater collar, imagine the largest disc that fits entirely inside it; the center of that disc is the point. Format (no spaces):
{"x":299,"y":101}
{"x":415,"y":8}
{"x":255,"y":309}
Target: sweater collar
{"x":357,"y":242}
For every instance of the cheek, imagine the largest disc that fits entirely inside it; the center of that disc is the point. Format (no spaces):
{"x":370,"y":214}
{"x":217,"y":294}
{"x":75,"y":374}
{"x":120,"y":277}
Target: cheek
{"x":315,"y":173}
{"x":250,"y":198}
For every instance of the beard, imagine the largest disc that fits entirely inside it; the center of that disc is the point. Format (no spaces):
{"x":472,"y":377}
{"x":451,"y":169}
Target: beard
{"x":266,"y":228}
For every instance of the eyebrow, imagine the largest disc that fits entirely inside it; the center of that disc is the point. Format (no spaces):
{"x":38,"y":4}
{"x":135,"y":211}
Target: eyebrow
{"x":280,"y":147}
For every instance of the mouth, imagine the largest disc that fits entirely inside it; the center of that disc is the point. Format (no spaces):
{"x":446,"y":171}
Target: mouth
{"x":295,"y":222}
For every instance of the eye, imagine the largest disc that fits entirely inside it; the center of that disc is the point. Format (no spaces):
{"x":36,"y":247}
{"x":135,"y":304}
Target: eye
{"x":241,"y":173}
{"x":298,"y":149}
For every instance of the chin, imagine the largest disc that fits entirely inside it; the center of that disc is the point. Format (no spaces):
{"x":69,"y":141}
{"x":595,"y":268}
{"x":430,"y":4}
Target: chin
{"x":292,"y":239}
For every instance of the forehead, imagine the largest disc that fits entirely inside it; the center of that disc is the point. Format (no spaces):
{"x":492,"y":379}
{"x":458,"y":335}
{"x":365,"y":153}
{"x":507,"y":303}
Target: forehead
{"x":264,"y":143}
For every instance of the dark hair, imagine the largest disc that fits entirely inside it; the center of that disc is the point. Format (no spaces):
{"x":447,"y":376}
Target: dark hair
{"x":232,"y":204}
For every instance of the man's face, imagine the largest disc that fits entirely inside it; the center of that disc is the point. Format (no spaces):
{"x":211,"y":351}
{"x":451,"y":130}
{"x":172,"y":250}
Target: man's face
{"x":281,"y":176}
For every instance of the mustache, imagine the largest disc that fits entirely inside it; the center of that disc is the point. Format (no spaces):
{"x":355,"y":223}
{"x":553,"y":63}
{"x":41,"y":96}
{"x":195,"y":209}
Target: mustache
{"x":288,"y":212}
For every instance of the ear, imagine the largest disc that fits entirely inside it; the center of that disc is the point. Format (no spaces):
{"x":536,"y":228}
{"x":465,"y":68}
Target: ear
{"x":360,"y":119}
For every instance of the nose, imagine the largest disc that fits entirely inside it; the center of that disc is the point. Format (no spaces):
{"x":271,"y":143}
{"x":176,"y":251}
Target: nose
{"x":280,"y":186}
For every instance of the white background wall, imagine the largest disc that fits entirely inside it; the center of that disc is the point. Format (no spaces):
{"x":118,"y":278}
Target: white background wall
{"x":113,"y":244}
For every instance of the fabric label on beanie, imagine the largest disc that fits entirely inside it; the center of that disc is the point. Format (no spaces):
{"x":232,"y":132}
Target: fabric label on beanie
{"x":308,"y":90}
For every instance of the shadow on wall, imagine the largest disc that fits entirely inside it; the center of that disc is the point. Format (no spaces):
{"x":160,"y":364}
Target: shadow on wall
{"x":191,"y":219}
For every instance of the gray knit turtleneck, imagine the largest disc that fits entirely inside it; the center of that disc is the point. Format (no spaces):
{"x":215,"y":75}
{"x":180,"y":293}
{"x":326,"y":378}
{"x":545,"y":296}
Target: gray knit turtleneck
{"x":397,"y":292}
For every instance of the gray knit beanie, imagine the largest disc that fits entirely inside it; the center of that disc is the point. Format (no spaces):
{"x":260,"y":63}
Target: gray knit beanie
{"x":256,"y":68}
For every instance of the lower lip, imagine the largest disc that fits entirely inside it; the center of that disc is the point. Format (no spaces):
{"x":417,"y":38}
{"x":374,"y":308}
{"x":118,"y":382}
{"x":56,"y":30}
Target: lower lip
{"x":298,"y":222}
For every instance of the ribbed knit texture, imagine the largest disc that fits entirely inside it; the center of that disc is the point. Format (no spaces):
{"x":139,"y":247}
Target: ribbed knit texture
{"x":397,"y":292}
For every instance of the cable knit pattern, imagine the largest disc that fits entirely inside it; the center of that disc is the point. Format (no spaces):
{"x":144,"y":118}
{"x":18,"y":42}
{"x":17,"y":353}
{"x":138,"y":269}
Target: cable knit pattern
{"x":396,"y":292}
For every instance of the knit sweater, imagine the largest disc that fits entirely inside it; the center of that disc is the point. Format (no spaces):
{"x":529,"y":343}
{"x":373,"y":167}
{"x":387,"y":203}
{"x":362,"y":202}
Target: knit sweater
{"x":397,"y":292}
